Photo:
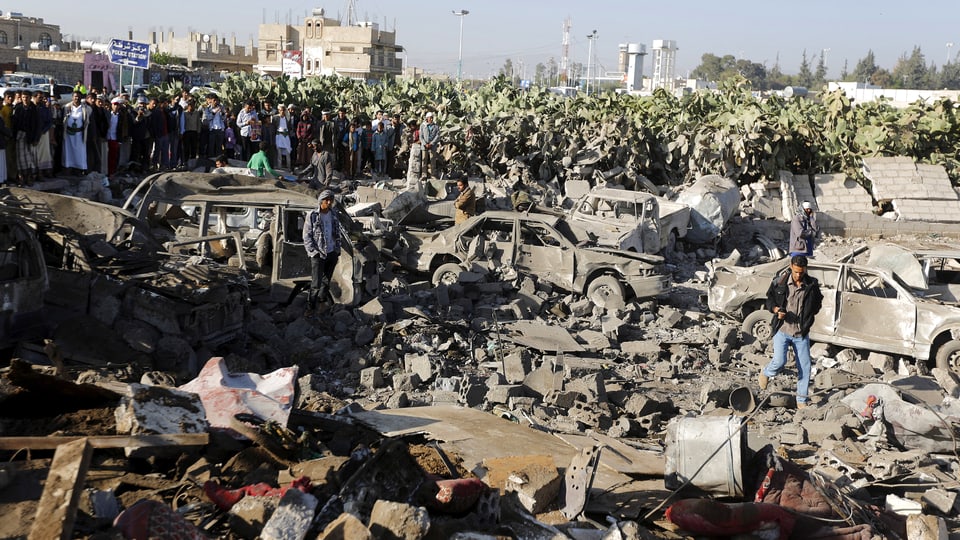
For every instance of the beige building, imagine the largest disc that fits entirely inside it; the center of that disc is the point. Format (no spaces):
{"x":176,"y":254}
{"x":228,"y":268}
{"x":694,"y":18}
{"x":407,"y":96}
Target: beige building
{"x":360,"y":51}
{"x":206,"y":51}
{"x":27,"y":32}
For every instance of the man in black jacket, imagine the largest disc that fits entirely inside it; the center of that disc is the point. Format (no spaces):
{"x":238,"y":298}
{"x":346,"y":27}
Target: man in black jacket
{"x":794,"y":298}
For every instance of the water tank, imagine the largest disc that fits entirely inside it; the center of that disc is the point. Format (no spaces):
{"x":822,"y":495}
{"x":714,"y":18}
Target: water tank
{"x":54,"y":48}
{"x":35,"y":45}
{"x":86,"y":44}
{"x":794,"y":91}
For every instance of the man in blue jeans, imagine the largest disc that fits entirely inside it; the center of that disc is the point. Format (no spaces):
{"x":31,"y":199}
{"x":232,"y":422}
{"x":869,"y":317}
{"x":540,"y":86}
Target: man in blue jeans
{"x":794,"y":298}
{"x":321,"y":238}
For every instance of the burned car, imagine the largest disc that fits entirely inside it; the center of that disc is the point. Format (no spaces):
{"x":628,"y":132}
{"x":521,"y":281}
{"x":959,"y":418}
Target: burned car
{"x":631,"y":220}
{"x":266,"y":218}
{"x":23,"y":280}
{"x":102,"y":262}
{"x":541,"y":245}
{"x":864,"y":307}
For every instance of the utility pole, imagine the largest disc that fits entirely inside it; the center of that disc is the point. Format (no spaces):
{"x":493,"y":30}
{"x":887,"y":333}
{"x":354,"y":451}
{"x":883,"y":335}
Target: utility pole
{"x":949,"y":44}
{"x":565,"y":54}
{"x":461,"y":13}
{"x":591,"y":36}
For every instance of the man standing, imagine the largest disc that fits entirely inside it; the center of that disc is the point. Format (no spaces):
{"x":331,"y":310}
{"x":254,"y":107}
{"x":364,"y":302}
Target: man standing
{"x":246,"y":118}
{"x":803,"y":231}
{"x":321,"y":238}
{"x":319,"y":171}
{"x":430,"y":140}
{"x":794,"y":298}
{"x":76,"y":117}
{"x":159,"y":131}
{"x":466,"y":203}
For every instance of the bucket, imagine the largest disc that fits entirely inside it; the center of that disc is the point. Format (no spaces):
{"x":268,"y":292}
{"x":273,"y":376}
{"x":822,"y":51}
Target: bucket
{"x":689,"y":444}
{"x":741,"y":400}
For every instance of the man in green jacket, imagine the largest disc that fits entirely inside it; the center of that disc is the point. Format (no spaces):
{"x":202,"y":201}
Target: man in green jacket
{"x":260,"y":164}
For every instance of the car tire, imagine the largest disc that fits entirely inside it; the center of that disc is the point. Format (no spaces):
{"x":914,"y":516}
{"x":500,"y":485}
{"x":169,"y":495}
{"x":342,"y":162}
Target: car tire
{"x":446,"y":274}
{"x":757,"y":325}
{"x":606,"y":292}
{"x":948,"y":356}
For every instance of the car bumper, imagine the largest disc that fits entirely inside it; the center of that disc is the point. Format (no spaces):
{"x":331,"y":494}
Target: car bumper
{"x":648,"y":286}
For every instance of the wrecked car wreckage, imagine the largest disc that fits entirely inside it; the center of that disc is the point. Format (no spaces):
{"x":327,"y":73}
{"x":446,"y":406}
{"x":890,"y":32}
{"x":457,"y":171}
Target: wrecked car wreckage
{"x":500,"y":402}
{"x":102,"y":262}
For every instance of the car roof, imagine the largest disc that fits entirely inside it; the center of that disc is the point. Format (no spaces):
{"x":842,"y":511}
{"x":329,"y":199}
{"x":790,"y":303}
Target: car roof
{"x":233,"y":189}
{"x":619,"y":194}
{"x":529,"y":216}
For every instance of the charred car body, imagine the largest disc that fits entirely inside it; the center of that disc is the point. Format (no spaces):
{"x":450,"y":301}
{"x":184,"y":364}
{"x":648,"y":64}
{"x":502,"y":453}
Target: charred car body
{"x":102,"y":262}
{"x":631,"y":220}
{"x":534,"y":244}
{"x":208,"y":210}
{"x":864,"y":307}
{"x":23,"y":280}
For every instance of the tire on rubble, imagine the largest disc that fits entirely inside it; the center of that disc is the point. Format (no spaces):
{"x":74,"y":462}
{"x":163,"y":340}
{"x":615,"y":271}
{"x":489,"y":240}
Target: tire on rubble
{"x":948,"y":356}
{"x":446,"y":274}
{"x":757,"y":325}
{"x":606,"y":292}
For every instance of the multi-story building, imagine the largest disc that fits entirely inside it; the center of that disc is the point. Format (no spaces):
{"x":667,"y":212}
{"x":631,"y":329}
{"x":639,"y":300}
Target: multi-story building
{"x":17,"y":31}
{"x":322,"y":46}
{"x":206,"y":51}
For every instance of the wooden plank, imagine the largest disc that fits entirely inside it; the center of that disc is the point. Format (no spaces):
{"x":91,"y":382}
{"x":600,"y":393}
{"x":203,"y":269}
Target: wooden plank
{"x":57,"y":509}
{"x":106,"y":441}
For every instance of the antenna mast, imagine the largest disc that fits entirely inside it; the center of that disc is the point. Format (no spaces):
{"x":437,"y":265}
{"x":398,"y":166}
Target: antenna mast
{"x":351,"y":13}
{"x":565,"y":57}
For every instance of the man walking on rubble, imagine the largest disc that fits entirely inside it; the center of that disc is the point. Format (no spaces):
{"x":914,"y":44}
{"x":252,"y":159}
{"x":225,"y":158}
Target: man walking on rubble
{"x":321,"y":238}
{"x":794,"y":298}
{"x":803,"y":231}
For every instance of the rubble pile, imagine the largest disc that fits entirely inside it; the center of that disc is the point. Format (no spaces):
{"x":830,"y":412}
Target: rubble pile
{"x":495,"y":404}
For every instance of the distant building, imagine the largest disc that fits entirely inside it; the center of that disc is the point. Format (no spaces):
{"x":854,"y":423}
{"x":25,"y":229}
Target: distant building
{"x":206,"y":51}
{"x":321,"y":46}
{"x":859,"y":92}
{"x":28,"y":33}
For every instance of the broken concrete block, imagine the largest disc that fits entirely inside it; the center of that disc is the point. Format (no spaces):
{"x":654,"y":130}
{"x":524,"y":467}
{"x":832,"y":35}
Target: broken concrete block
{"x":563,"y":399}
{"x":648,"y":349}
{"x":346,"y":527}
{"x":948,"y":380}
{"x":940,"y":501}
{"x":419,"y":364}
{"x":639,"y":405}
{"x":847,"y":355}
{"x":522,"y":403}
{"x":593,"y":340}
{"x":407,"y":382}
{"x":882,"y":362}
{"x":900,"y":506}
{"x":591,"y":386}
{"x":364,"y":336}
{"x":581,"y":308}
{"x":376,"y":308}
{"x":611,"y":325}
{"x":650,"y":422}
{"x":516,"y":366}
{"x":819,"y":350}
{"x":668,"y":317}
{"x":372,"y":378}
{"x":472,"y":395}
{"x":536,"y":486}
{"x":399,"y":400}
{"x":292,"y":518}
{"x":319,"y":471}
{"x":175,"y":354}
{"x":250,"y":514}
{"x":716,"y":391}
{"x":398,"y":521}
{"x":159,"y":409}
{"x":921,"y":527}
{"x":502,"y":393}
{"x":860,"y":367}
{"x":543,"y":380}
{"x":792,"y":434}
{"x":832,"y":378}
{"x":623,"y":427}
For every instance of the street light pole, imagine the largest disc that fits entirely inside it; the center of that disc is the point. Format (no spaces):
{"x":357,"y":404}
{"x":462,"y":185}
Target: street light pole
{"x":461,"y":13}
{"x":591,"y":36}
{"x":949,"y":44}
{"x":825,"y":68}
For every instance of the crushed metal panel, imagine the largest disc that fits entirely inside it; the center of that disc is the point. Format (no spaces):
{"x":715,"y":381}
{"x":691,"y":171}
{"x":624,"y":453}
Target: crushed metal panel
{"x":23,"y":279}
{"x":578,"y":479}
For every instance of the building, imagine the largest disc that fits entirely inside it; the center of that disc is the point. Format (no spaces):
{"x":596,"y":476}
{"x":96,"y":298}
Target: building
{"x":28,"y":33}
{"x":322,"y":46}
{"x":206,"y":51}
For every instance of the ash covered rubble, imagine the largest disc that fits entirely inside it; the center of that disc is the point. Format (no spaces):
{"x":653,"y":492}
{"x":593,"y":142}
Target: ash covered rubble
{"x":499,"y":405}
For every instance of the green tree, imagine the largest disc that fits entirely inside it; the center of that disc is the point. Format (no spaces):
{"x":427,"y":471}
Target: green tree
{"x":805,"y":77}
{"x":911,"y":71}
{"x":714,"y":68}
{"x":950,"y":76}
{"x":820,"y":76}
{"x":540,"y":74}
{"x":165,"y":59}
{"x":844,"y":73}
{"x":865,"y":69}
{"x":552,"y":71}
{"x":753,"y":72}
{"x":507,"y":69}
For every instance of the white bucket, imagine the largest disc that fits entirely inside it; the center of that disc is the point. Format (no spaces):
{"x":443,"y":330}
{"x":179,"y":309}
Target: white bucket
{"x":691,"y":442}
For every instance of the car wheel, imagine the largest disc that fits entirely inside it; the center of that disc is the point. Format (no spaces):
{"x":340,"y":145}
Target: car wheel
{"x":757,"y":325}
{"x":606,"y":292}
{"x":671,"y":248}
{"x":447,"y":274}
{"x":948,"y":356}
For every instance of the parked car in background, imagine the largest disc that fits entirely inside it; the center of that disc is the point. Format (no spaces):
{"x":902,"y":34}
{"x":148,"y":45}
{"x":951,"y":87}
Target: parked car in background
{"x":539,"y":245}
{"x":864,"y":307}
{"x":61,"y":92}
{"x":631,"y":220}
{"x":25,"y":79}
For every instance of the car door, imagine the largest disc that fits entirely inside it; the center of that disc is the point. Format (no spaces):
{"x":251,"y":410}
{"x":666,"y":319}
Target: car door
{"x":874,"y":313}
{"x":544,"y":253}
{"x":825,"y":323}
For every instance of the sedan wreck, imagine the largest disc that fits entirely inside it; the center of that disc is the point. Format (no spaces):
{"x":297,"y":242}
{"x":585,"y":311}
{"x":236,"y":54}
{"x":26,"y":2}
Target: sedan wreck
{"x":864,"y":307}
{"x":539,"y":245}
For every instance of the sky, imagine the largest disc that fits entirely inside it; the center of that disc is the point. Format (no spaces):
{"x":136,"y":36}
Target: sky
{"x":530,"y":31}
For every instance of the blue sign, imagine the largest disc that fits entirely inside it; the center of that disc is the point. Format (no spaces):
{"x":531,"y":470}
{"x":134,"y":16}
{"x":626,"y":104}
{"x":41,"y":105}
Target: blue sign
{"x":130,"y":53}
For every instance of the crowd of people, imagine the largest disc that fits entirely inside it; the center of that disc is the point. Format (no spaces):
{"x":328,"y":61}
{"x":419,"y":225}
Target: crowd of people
{"x":105,"y":133}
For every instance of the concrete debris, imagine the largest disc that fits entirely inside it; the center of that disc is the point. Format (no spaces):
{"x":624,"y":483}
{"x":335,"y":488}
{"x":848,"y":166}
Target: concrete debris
{"x":410,"y":400}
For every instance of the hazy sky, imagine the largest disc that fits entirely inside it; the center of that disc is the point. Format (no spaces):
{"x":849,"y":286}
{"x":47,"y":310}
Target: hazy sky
{"x":531,"y":30}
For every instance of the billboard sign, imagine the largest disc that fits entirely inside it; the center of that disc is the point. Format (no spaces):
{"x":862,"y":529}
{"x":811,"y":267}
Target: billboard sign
{"x":130,"y":53}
